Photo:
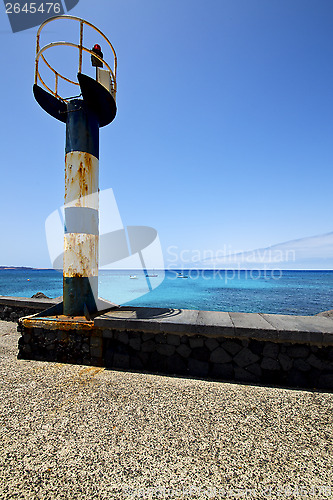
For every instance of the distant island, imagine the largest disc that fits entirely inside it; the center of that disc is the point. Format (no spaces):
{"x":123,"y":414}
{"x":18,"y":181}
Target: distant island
{"x":14,"y":267}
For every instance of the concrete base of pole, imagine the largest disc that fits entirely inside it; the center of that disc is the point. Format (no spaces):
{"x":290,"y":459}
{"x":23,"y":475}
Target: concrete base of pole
{"x":80,"y":296}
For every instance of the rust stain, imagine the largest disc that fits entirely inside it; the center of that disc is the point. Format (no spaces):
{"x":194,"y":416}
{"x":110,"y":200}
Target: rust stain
{"x":60,"y":323}
{"x":81,"y":177}
{"x":90,"y":370}
{"x":80,"y":255}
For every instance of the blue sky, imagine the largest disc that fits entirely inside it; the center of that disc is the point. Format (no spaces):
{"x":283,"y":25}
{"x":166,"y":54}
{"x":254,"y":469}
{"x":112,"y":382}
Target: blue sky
{"x":223,"y":135}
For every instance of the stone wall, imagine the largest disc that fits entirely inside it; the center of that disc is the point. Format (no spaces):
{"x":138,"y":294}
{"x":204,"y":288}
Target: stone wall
{"x":13,"y":308}
{"x":220,"y":354}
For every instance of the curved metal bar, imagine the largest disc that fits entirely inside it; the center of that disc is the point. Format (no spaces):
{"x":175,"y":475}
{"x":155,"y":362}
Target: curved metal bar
{"x":51,"y":91}
{"x":75,"y":18}
{"x":36,"y":61}
{"x":70,"y":44}
{"x":59,"y":74}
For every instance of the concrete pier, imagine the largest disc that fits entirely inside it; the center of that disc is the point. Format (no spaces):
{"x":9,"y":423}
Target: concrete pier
{"x":295,"y":351}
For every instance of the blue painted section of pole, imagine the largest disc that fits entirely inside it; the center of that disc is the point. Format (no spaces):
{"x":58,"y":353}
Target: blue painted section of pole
{"x":82,"y":128}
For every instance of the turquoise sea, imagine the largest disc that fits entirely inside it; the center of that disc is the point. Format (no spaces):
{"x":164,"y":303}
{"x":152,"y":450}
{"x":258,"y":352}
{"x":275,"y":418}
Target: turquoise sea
{"x":279,"y":292}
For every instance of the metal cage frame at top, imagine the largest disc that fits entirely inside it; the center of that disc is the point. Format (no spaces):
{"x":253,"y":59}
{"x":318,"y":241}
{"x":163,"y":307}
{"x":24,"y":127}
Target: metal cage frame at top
{"x":80,"y":47}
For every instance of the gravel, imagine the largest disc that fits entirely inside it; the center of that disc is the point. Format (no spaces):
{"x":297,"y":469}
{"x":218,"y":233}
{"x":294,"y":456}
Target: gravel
{"x":78,"y":432}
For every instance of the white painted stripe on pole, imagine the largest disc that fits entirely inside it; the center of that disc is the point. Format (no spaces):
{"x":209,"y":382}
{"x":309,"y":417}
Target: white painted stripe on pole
{"x":81,"y":220}
{"x":81,"y":191}
{"x":80,"y":255}
{"x":81,"y":180}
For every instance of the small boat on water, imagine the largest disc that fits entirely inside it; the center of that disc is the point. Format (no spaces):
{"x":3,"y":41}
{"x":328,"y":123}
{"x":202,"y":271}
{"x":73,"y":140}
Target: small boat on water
{"x":133,"y":277}
{"x":151,"y":274}
{"x":181,"y":275}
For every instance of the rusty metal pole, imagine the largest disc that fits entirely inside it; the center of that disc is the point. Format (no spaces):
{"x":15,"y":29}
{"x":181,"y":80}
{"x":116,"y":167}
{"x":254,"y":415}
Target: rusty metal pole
{"x":80,"y":271}
{"x":83,"y":117}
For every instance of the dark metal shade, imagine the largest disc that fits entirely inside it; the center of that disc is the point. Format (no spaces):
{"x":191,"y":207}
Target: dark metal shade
{"x":53,"y":106}
{"x":96,"y":97}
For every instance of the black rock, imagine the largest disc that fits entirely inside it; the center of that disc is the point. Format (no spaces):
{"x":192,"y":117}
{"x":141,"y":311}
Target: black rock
{"x":39,"y":295}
